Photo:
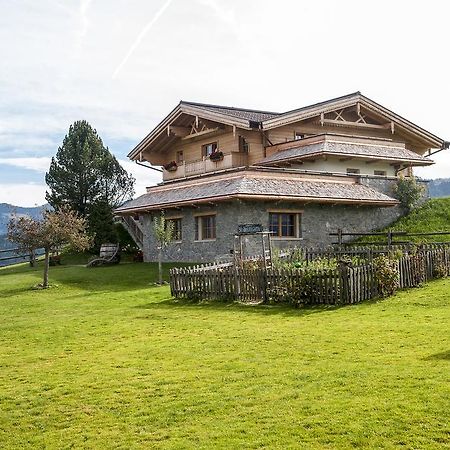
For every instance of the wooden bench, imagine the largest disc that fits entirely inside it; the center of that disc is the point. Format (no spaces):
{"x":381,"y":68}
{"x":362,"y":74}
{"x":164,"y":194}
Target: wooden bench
{"x":109,"y":254}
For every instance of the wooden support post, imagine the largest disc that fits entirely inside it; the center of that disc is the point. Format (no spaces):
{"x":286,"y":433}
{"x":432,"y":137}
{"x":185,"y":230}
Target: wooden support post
{"x":389,"y":239}
{"x":264,"y":252}
{"x":241,"y":252}
{"x":339,"y":236}
{"x":270,"y":248}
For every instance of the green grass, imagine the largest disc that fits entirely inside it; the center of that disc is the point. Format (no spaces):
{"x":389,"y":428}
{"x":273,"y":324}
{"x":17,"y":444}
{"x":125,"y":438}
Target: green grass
{"x":105,"y":360}
{"x":434,"y":215}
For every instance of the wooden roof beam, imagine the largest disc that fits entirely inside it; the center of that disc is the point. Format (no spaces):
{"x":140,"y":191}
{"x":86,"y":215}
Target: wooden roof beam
{"x":177,"y":131}
{"x":200,"y":133}
{"x":354,"y":124}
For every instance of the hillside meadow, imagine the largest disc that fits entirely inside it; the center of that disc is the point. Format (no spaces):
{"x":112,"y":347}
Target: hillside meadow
{"x":432,"y":216}
{"x":104,"y":359}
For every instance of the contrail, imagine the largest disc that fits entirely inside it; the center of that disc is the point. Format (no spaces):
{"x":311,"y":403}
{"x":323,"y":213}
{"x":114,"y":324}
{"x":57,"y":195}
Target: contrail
{"x":141,"y":36}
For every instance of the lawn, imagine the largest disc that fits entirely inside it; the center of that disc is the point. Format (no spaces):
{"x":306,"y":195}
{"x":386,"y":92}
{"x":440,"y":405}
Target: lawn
{"x":106,"y":360}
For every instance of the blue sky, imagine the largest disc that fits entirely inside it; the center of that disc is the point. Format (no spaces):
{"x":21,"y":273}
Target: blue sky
{"x":123,"y":65}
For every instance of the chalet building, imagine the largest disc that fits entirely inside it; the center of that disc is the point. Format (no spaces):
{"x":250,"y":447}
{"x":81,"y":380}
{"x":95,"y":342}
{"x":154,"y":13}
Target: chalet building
{"x":300,"y":174}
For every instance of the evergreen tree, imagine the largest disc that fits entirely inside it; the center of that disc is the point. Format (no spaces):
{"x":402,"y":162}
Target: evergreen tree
{"x":101,"y":224}
{"x":86,"y":177}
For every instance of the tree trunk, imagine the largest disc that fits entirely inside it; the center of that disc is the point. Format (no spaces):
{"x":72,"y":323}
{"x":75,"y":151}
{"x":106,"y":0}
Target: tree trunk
{"x":46,"y":267}
{"x":32,"y":258}
{"x":160,"y":280}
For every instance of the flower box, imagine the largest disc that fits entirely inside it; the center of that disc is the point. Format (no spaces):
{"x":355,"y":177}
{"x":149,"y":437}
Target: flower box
{"x":216,"y":156}
{"x":171,"y":167}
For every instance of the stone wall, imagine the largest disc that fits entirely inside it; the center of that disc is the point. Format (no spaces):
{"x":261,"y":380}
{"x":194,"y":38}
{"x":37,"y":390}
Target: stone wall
{"x":317,"y":221}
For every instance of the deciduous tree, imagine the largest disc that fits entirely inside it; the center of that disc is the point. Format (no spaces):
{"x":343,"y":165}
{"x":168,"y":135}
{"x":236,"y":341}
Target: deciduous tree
{"x":57,"y":229}
{"x":163,"y":230}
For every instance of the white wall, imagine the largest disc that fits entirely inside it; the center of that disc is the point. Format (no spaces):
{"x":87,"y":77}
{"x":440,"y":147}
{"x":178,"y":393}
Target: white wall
{"x":336,"y":166}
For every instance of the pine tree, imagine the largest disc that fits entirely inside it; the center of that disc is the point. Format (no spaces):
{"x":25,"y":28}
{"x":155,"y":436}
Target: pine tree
{"x":86,"y":177}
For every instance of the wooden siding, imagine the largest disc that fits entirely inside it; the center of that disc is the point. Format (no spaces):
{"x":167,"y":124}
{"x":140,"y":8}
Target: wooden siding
{"x":259,"y":143}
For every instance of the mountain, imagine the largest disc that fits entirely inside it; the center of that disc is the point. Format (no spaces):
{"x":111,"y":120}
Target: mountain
{"x":8,"y":211}
{"x":439,"y":187}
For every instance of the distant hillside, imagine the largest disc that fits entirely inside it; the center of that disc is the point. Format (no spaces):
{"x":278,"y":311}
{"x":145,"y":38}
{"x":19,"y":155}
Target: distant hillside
{"x":439,"y":187}
{"x":8,"y":211}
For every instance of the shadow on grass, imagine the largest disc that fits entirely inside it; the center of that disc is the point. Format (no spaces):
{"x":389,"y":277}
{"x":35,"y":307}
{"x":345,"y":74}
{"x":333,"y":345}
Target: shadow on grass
{"x":217,"y":306}
{"x":443,"y":356}
{"x":121,"y":277}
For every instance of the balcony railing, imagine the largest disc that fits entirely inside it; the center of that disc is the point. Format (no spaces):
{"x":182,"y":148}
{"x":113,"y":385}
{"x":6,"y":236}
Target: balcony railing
{"x":205,"y":165}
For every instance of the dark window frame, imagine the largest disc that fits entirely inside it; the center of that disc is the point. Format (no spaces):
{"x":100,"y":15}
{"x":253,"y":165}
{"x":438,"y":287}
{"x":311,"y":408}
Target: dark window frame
{"x":177,"y":229}
{"x":205,"y":227}
{"x":244,"y":146}
{"x":285,"y":224}
{"x":210,"y":148}
{"x":179,"y":157}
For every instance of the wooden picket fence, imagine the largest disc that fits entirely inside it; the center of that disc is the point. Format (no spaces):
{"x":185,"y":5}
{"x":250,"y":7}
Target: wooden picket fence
{"x":345,"y":285}
{"x":366,"y":253}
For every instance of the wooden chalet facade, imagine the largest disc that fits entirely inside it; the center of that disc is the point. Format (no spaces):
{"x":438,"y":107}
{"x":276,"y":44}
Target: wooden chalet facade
{"x":300,"y":174}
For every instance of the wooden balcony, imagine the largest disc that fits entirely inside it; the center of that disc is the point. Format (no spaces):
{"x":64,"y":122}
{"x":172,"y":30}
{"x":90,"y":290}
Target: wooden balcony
{"x":205,"y":165}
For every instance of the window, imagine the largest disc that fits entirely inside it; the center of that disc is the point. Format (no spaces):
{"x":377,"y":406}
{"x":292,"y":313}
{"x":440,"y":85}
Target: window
{"x":208,"y":149}
{"x":176,"y":228}
{"x":298,"y":136}
{"x":381,"y":173}
{"x":180,"y":157}
{"x":205,"y":228}
{"x":351,"y":171}
{"x":243,"y":145}
{"x":285,"y":224}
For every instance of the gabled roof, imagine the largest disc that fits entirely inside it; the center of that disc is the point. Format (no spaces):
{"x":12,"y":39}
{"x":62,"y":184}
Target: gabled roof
{"x":346,"y":101}
{"x":238,"y":117}
{"x":250,"y":119}
{"x":289,"y":187}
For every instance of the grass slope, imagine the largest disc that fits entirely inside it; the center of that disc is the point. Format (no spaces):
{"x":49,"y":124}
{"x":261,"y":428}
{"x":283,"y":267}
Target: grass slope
{"x":104,"y":360}
{"x":434,"y":215}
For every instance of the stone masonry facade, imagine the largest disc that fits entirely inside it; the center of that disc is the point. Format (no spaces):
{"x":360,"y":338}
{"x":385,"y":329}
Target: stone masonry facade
{"x":317,"y":221}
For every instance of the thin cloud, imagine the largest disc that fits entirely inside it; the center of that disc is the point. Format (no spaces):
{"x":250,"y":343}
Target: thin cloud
{"x":225,"y":15}
{"x":24,"y":194}
{"x":141,"y":36}
{"x":38,"y":164}
{"x":84,"y":6}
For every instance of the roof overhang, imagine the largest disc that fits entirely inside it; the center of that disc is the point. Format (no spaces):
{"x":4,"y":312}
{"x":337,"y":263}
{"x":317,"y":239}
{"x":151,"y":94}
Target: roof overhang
{"x":190,"y":110}
{"x":319,"y":154}
{"x":262,"y":197}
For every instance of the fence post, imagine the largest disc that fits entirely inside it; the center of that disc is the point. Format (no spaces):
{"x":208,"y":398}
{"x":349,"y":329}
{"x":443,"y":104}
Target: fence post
{"x":264,"y":284}
{"x":344,"y":281}
{"x":389,"y":239}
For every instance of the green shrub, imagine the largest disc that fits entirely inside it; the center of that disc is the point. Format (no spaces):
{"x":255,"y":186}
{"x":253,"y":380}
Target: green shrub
{"x":408,"y":192}
{"x":387,"y":275}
